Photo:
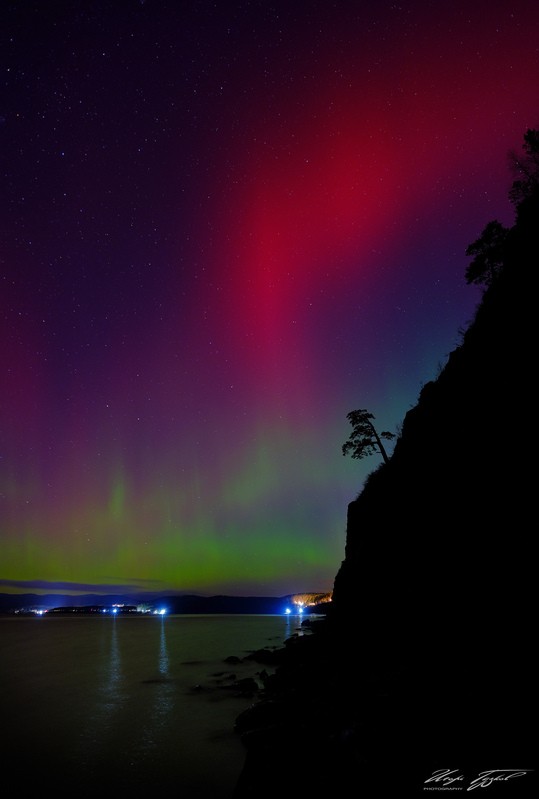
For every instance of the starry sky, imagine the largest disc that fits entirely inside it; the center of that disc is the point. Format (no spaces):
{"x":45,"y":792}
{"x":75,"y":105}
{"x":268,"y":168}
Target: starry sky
{"x":224,"y":226}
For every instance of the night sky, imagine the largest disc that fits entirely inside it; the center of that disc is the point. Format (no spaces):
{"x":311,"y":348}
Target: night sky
{"x":224,"y":226}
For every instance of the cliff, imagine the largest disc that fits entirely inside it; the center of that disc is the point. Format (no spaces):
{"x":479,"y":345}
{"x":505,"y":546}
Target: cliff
{"x":427,"y":659}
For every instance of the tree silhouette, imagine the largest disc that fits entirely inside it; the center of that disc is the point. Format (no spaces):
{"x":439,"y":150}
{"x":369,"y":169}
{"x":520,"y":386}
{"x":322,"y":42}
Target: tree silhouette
{"x":526,"y":168}
{"x":489,"y":252}
{"x":364,"y":440}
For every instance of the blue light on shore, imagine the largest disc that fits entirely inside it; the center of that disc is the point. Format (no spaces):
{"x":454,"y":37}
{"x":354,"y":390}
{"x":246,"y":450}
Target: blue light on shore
{"x":288,"y":611}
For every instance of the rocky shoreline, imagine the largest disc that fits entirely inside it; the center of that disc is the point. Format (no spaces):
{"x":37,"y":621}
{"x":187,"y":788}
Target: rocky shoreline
{"x":334,"y":719}
{"x":301,"y":732}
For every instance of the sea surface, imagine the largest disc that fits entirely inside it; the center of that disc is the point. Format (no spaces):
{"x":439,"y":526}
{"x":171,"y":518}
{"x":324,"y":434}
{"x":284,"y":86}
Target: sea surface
{"x":135,"y":706}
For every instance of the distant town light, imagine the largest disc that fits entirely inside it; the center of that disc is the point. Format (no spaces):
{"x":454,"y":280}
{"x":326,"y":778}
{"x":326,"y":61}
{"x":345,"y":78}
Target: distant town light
{"x":287,"y":611}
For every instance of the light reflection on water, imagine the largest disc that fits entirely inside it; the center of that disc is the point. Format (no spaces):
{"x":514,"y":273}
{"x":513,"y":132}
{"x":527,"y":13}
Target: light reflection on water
{"x":112,"y":694}
{"x":163,"y":695}
{"x":110,"y":700}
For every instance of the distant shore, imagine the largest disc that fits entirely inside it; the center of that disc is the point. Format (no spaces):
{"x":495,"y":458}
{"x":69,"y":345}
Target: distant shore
{"x":91,"y":604}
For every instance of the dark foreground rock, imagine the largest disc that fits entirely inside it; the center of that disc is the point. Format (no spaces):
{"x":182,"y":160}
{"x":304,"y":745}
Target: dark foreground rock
{"x":342,"y":720}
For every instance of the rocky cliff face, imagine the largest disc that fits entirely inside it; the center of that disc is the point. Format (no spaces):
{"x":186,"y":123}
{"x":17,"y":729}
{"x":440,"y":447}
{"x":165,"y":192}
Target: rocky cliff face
{"x":438,"y":569}
{"x":427,"y":658}
{"x":448,"y":518}
{"x":442,"y":533}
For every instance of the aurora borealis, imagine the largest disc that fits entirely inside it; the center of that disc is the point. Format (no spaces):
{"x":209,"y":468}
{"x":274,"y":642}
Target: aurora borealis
{"x":224,"y":226}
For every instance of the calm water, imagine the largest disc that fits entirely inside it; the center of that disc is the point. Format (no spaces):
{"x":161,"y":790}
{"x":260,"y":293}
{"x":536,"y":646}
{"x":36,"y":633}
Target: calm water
{"x":102,"y":703}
